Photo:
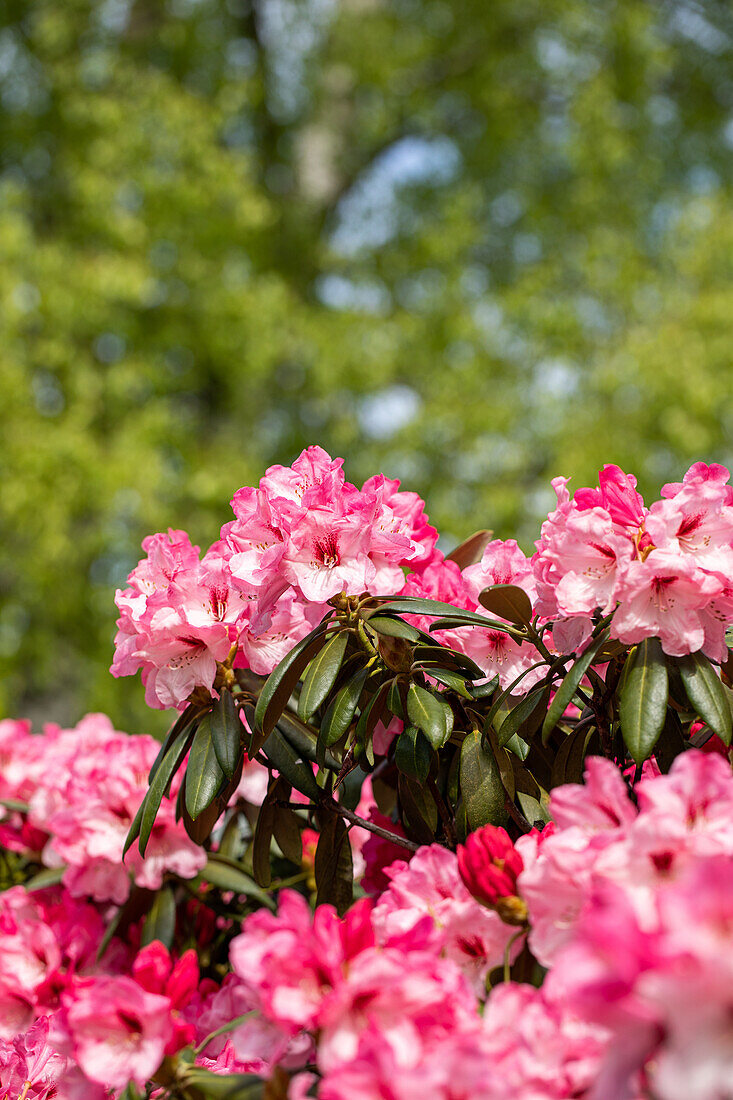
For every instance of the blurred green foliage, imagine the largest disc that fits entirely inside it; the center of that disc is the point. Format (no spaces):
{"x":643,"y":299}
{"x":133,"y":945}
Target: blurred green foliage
{"x":470,"y":244}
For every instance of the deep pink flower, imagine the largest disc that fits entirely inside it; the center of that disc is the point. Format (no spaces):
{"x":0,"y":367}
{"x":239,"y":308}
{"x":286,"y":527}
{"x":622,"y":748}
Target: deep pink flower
{"x":489,"y":864}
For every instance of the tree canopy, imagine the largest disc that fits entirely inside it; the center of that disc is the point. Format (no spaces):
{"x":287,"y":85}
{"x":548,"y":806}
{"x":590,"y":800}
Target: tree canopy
{"x":473,"y":245}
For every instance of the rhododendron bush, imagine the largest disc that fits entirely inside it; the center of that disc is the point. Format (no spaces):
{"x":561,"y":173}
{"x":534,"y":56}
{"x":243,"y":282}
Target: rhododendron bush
{"x":423,"y":827}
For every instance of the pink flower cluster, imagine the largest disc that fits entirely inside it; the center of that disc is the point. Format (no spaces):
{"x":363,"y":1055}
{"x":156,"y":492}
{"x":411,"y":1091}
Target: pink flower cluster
{"x":303,"y":535}
{"x":628,"y":904}
{"x":665,"y":571}
{"x":388,"y":1001}
{"x":83,"y":787}
{"x":74,"y":1024}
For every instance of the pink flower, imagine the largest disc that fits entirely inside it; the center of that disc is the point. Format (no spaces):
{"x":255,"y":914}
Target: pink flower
{"x":30,"y":1067}
{"x":155,"y":971}
{"x":662,"y":597}
{"x":328,"y":555}
{"x":535,"y":1048}
{"x":462,"y":930}
{"x":697,"y":521}
{"x":488,"y":865}
{"x":116,"y":1030}
{"x":617,"y":495}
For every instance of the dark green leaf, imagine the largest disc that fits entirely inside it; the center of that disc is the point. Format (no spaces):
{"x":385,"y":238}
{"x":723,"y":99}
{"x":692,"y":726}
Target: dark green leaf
{"x":449,"y":679}
{"x":340,"y":713}
{"x":509,"y":602}
{"x":567,"y":766}
{"x":413,"y":755}
{"x":333,"y":865}
{"x":671,"y":742}
{"x":160,"y":922}
{"x":282,"y":680}
{"x":261,"y":843}
{"x":706,"y":693}
{"x":443,"y":657}
{"x":567,"y":689}
{"x":643,"y":698}
{"x":413,"y":605}
{"x":288,"y":835}
{"x":145,"y":817}
{"x":394,"y":628}
{"x":521,"y":715}
{"x":481,"y":691}
{"x":226,"y":733}
{"x":304,"y":741}
{"x":226,"y":874}
{"x":322,"y":674}
{"x":291,"y":765}
{"x":371,"y":714}
{"x":419,"y":811}
{"x":481,"y":785}
{"x":430,"y":714}
{"x":204,"y":775}
{"x":179,"y":727}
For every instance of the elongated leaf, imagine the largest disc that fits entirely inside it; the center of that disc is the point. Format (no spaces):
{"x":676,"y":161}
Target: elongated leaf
{"x":419,"y":811}
{"x":334,"y":871}
{"x":706,"y":693}
{"x":443,"y":657}
{"x":178,"y":729}
{"x":481,"y":785}
{"x":503,"y":760}
{"x":49,"y":876}
{"x":567,"y":689}
{"x":14,"y":805}
{"x":280,"y":683}
{"x":413,"y":605}
{"x":567,"y":766}
{"x":305,"y":741}
{"x":288,"y":835}
{"x":291,"y":765}
{"x":449,"y":679}
{"x":643,"y":699}
{"x":394,"y":628}
{"x":509,"y":602}
{"x":226,"y":733}
{"x":340,"y":713}
{"x":230,"y":1086}
{"x":322,"y":674}
{"x":160,"y":923}
{"x":261,"y":844}
{"x":430,"y":714}
{"x":204,"y":775}
{"x":145,"y":817}
{"x":471,"y":549}
{"x":503,"y":696}
{"x":226,"y":874}
{"x":413,"y":755}
{"x":525,"y":716}
{"x":481,"y":691}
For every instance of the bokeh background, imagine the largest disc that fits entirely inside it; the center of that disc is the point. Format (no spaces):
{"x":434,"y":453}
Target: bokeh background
{"x":470,"y":243}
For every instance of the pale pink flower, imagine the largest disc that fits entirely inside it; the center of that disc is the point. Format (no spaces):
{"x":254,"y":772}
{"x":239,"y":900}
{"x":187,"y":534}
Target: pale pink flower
{"x":662,"y":597}
{"x":116,"y":1031}
{"x":464,"y":931}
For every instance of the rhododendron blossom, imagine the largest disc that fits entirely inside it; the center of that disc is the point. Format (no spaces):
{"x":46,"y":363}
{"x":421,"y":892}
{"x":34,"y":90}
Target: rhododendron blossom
{"x":396,"y":845}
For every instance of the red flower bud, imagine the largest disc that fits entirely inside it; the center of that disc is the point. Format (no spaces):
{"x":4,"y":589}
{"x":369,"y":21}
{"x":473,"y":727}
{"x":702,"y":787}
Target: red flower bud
{"x":489,"y":865}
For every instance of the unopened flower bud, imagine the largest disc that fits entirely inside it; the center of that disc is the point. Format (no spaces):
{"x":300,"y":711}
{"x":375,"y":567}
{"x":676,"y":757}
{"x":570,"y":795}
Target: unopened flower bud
{"x":489,"y":865}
